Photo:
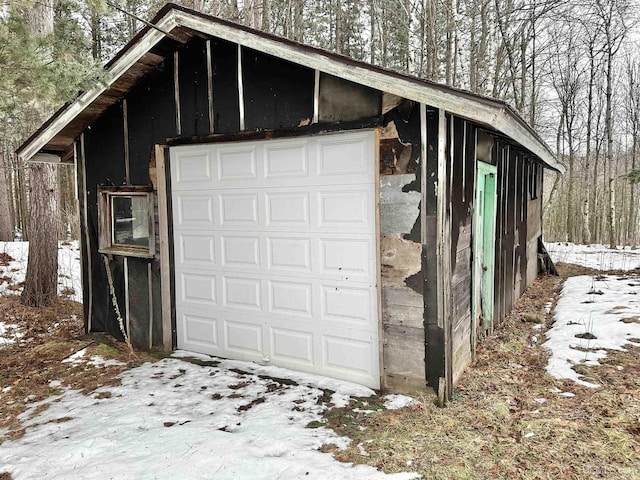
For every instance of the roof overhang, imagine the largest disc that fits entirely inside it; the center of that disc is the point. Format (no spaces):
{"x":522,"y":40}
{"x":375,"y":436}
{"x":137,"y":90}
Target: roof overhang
{"x":137,"y":58}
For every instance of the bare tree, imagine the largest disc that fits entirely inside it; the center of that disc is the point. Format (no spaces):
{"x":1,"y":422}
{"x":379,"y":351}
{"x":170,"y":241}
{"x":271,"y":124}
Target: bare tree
{"x":41,"y":282}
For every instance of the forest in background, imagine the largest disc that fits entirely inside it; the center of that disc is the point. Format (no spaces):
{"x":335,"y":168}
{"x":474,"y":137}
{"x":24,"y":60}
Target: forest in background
{"x":571,"y":69}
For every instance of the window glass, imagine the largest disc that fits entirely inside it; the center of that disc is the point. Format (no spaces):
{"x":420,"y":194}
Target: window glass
{"x":130,"y":215}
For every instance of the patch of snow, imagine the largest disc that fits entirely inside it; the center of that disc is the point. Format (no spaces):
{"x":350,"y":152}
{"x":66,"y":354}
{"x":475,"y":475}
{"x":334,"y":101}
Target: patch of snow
{"x":599,"y":257}
{"x":540,"y":400}
{"x":580,"y":312}
{"x":529,"y":435}
{"x":173,"y":419}
{"x":537,"y":326}
{"x":8,"y":333}
{"x":77,"y":357}
{"x":567,"y":394}
{"x":69,"y":274}
{"x":98,"y":361}
{"x":394,"y":401}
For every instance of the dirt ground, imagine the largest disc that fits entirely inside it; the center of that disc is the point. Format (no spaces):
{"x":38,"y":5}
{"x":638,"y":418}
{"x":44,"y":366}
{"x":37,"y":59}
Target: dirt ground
{"x":507,"y":419}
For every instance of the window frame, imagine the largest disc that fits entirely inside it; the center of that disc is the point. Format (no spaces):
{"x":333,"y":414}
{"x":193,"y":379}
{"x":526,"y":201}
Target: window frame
{"x":106,"y":241}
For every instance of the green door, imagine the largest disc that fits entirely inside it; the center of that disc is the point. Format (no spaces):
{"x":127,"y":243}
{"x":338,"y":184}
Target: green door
{"x":484,"y":243}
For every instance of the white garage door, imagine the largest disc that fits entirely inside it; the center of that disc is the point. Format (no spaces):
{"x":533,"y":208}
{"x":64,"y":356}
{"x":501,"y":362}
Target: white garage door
{"x":275,"y":253}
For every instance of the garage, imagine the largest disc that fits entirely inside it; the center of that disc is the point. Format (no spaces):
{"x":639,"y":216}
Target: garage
{"x":275,"y":252}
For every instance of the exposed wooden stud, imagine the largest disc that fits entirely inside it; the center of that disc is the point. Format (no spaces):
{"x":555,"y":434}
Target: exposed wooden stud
{"x":464,"y":161}
{"x":125,"y":121}
{"x":210,"y":87}
{"x":423,"y":173}
{"x":316,"y":96}
{"x":376,"y":187}
{"x":475,"y":291}
{"x":240,"y":89}
{"x":165,"y":259}
{"x":150,"y":296}
{"x":76,"y":192}
{"x":87,"y":238}
{"x":127,"y":314}
{"x":441,"y":200}
{"x":176,"y":90}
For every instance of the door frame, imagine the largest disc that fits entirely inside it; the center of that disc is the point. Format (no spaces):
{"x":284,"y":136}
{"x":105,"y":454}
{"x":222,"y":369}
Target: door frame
{"x":483,"y":172}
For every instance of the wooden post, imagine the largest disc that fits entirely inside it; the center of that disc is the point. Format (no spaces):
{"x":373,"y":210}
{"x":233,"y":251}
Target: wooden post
{"x":165,"y":263}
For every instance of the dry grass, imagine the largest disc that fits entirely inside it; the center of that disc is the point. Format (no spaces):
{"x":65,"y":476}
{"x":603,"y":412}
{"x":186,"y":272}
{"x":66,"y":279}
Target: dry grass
{"x":497,"y":425}
{"x":49,"y":335}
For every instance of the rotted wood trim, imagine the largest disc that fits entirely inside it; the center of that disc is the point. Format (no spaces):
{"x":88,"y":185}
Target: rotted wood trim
{"x":444,"y":254}
{"x":313,"y":129}
{"x":163,"y":249}
{"x":210,"y":87}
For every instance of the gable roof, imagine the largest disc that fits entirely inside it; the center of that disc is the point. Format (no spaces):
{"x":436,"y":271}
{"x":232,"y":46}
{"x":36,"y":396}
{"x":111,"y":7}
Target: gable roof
{"x":175,"y":23}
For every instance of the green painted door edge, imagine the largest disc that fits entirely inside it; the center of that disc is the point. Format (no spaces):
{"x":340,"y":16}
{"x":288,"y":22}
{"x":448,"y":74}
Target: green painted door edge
{"x":484,"y":242}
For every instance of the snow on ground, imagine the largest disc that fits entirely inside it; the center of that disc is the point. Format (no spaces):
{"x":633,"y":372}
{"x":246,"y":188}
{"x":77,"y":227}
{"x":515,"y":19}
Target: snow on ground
{"x":594,"y":314}
{"x":599,"y":257}
{"x":68,"y":267}
{"x":174,"y":419}
{"x":8,"y":333}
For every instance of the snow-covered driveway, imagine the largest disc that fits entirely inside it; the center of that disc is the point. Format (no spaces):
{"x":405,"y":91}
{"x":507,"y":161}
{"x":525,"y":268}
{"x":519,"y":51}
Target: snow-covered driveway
{"x":174,"y":419}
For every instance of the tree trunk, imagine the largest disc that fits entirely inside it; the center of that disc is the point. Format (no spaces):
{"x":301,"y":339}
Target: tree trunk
{"x":6,"y":222}
{"x":41,"y":282}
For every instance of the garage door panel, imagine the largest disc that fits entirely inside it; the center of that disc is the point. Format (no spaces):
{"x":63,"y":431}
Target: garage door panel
{"x":236,"y":163}
{"x":349,"y":305}
{"x":194,"y":168}
{"x":193,"y":210}
{"x":347,"y":257}
{"x":291,"y":346}
{"x":196,"y":288}
{"x":239,"y":210}
{"x":240,"y":251}
{"x":275,"y":245}
{"x":345,"y":155}
{"x":198,"y":331}
{"x":288,"y":209}
{"x":286,"y":160}
{"x":244,"y":338}
{"x":289,"y":254}
{"x":242,"y":293}
{"x":195,"y":249}
{"x":348,"y":356}
{"x":290,"y":298}
{"x":345,"y":208}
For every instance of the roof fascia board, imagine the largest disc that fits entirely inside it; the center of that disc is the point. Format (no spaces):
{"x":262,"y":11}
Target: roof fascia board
{"x":485,"y":111}
{"x":148,"y":41}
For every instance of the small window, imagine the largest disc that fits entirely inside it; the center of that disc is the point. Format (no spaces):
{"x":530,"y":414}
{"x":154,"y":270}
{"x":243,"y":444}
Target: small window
{"x":126,"y":221}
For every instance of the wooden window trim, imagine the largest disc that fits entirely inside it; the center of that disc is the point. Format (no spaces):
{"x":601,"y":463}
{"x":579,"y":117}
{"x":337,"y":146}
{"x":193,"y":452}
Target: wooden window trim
{"x":106,"y":244}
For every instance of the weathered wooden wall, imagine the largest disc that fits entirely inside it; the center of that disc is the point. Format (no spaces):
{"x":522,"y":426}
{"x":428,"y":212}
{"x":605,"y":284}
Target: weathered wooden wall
{"x":196,"y":95}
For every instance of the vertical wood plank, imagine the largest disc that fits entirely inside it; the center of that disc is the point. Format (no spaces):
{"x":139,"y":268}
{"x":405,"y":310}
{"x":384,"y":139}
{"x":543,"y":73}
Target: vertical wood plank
{"x":210,"y":87}
{"x":150,"y":296}
{"x":125,"y":122}
{"x":165,"y":263}
{"x":127,"y":316}
{"x":87,"y":240}
{"x":240,"y":89}
{"x":423,"y":173}
{"x":316,"y":96}
{"x":176,"y":90}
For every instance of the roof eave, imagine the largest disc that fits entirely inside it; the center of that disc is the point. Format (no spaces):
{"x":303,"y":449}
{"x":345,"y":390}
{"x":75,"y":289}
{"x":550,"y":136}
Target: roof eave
{"x":489,"y":112}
